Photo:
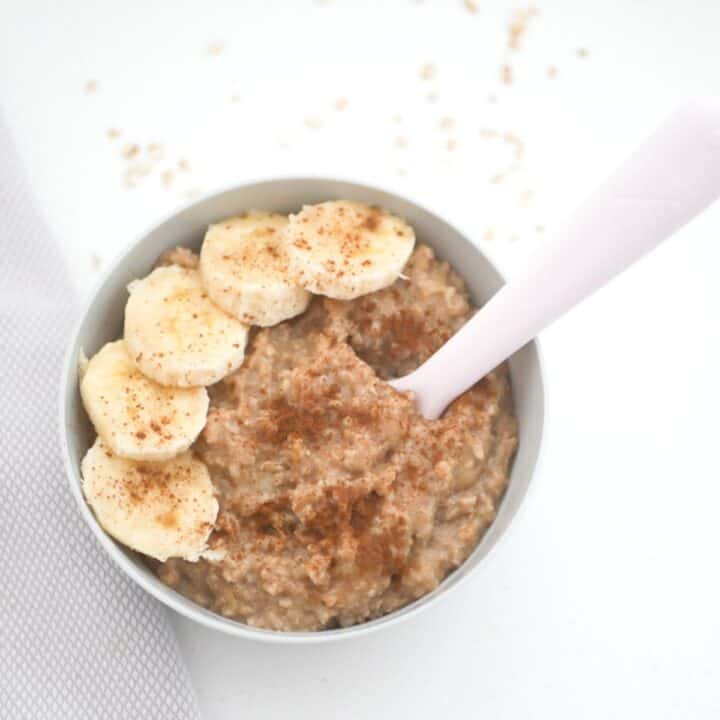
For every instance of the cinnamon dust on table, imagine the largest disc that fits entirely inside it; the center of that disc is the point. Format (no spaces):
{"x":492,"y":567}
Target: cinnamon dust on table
{"x":91,"y":87}
{"x":215,"y":48}
{"x":340,"y":104}
{"x":470,"y":6}
{"x":551,"y":72}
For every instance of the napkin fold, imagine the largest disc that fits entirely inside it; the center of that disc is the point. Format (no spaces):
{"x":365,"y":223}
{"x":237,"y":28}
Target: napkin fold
{"x":78,"y":639}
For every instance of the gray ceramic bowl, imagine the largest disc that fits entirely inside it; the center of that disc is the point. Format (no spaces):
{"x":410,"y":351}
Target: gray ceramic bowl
{"x":102,"y":319}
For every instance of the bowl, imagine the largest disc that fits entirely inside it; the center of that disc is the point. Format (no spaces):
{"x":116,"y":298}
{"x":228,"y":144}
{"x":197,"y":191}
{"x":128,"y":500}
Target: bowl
{"x":101,"y":320}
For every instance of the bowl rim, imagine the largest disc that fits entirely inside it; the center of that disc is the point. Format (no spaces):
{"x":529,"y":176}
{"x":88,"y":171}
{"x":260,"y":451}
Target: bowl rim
{"x":185,"y":606}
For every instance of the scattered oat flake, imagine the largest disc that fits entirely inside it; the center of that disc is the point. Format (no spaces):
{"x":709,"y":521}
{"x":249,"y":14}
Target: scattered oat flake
{"x":525,"y":198}
{"x":427,"y":71}
{"x":167,"y":178}
{"x":340,"y":104}
{"x":130,"y":150}
{"x":583,"y":53}
{"x":506,"y":75}
{"x":446,"y":123}
{"x":517,"y":145}
{"x":155,"y":150}
{"x":518,"y":26}
{"x":451,"y":145}
{"x":215,"y":48}
{"x":551,"y":72}
{"x":400,"y":142}
{"x":136,"y":171}
{"x":113,"y":133}
{"x":91,"y":87}
{"x":497,"y":178}
{"x":183,"y":164}
{"x":470,"y":6}
{"x":313,"y":123}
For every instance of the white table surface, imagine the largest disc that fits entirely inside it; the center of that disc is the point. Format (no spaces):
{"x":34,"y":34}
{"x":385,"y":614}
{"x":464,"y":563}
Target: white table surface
{"x":603,"y":602}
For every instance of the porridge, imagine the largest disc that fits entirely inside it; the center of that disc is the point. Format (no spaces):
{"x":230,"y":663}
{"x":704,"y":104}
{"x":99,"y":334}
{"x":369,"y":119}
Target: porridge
{"x":338,"y":502}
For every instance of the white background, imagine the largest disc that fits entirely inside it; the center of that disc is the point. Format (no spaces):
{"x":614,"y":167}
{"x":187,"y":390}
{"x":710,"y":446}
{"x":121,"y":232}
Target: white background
{"x":604,"y":600}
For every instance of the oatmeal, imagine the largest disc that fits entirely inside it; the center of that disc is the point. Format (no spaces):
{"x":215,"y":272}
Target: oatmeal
{"x":338,"y":501}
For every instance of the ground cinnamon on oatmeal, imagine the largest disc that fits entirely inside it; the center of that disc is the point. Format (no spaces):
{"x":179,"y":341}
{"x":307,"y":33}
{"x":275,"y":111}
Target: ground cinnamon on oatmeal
{"x":338,"y":501}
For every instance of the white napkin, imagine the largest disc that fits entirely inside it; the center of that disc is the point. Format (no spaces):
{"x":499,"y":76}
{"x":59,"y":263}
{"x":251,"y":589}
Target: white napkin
{"x":77,"y":638}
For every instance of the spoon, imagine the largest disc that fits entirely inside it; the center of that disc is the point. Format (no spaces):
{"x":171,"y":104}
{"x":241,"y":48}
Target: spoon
{"x":672,"y":177}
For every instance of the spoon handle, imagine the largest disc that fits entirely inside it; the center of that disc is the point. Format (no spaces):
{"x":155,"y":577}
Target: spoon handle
{"x":671,"y":177}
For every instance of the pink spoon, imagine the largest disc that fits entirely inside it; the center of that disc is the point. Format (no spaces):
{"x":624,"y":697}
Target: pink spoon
{"x":672,"y":177}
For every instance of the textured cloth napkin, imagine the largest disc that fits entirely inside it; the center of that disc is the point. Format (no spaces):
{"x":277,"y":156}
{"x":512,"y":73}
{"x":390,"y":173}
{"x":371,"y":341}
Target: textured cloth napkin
{"x":77,"y":638}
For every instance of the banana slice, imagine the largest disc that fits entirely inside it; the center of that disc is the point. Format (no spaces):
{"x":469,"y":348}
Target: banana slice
{"x":176,"y":335}
{"x":163,"y":509}
{"x":346,"y":249}
{"x":244,"y":266}
{"x":136,"y":417}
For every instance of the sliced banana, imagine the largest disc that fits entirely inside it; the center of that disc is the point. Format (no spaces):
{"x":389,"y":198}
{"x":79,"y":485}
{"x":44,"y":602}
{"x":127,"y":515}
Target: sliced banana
{"x":136,"y":417}
{"x":346,"y":249}
{"x":163,"y":509}
{"x":176,"y":335}
{"x":244,"y":266}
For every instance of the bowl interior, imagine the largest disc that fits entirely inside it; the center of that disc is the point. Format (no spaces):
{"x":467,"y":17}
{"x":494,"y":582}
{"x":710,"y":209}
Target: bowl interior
{"x":102,"y":321}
